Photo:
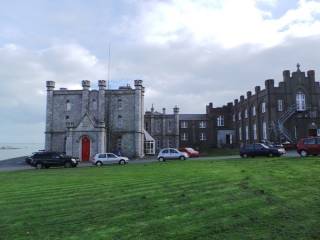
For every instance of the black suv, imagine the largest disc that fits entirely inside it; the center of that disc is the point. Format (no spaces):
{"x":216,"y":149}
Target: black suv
{"x":259,"y":149}
{"x":51,"y":159}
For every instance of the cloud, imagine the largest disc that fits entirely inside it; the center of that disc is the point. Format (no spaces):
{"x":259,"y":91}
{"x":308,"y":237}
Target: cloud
{"x":24,"y":73}
{"x":228,"y":23}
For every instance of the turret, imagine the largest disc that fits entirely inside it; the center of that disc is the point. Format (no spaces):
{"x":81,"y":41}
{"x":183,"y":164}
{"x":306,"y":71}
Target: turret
{"x":241,"y":98}
{"x":286,"y":75}
{"x":311,"y":75}
{"x":50,"y":85}
{"x":249,"y":94}
{"x":102,"y":84}
{"x":49,"y":115}
{"x":257,"y":89}
{"x":269,"y":83}
{"x":176,"y":110}
{"x":164,"y":111}
{"x":85,"y":97}
{"x":236,"y":101}
{"x":138,"y":84}
{"x":85,"y":84}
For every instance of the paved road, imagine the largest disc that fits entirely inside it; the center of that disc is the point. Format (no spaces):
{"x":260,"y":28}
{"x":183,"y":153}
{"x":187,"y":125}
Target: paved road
{"x":16,"y":164}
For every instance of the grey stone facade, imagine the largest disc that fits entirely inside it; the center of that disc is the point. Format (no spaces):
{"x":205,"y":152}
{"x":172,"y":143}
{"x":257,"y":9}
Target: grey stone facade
{"x":112,"y":120}
{"x":163,"y":127}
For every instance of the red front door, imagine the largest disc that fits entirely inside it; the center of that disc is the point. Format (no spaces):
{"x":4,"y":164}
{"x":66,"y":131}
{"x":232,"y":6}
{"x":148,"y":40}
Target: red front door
{"x":85,"y":148}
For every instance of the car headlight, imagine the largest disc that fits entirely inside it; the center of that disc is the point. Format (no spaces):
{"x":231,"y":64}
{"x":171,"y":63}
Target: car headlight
{"x":73,"y":160}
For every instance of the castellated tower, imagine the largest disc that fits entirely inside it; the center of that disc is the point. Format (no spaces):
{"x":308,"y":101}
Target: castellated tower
{"x":85,"y":122}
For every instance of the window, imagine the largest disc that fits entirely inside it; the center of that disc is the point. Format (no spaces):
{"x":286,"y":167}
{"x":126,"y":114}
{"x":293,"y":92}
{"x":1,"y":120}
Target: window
{"x":119,"y":143}
{"x":220,"y":121}
{"x":158,"y":126}
{"x":170,"y":128}
{"x":120,"y":121}
{"x":239,"y":115}
{"x":111,"y":155}
{"x":203,"y":137}
{"x":68,"y":106}
{"x":253,"y":110}
{"x":240,"y":134}
{"x":67,"y":117}
{"x":94,"y":104}
{"x":318,"y":132}
{"x":158,"y":144}
{"x":309,"y":141}
{"x":202,"y":124}
{"x":263,"y":107}
{"x":233,"y":117}
{"x":102,"y":156}
{"x":280,"y":105}
{"x":254,"y":128}
{"x":247,"y":133}
{"x":300,"y":101}
{"x":184,"y":124}
{"x":184,"y":137}
{"x":246,"y":113}
{"x":264,"y":130}
{"x":119,"y":104}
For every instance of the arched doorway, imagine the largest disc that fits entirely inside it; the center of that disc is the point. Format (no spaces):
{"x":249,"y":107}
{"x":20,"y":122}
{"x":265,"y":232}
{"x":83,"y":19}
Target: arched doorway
{"x":85,"y":148}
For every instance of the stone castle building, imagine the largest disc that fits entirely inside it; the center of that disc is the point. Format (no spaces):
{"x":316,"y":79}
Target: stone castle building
{"x":84,"y":122}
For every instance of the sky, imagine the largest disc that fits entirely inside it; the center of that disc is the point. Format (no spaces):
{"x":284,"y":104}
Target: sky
{"x":187,"y":52}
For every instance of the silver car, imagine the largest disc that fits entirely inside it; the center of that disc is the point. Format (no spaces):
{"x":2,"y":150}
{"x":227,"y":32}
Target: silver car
{"x":171,"y":153}
{"x":108,"y":158}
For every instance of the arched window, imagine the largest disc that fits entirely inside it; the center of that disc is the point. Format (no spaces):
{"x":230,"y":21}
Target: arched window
{"x":301,"y":101}
{"x":119,"y":104}
{"x":120,"y":121}
{"x":68,"y":105}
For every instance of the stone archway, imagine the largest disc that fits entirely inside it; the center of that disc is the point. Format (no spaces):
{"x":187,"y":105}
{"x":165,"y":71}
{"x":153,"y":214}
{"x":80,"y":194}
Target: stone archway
{"x":85,"y":148}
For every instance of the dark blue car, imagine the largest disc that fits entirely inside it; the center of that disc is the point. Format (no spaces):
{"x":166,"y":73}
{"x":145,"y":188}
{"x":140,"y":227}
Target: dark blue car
{"x":259,"y":149}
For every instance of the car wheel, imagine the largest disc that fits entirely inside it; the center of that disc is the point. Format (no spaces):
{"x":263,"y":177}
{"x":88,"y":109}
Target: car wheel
{"x":67,"y":164}
{"x":182,"y":158}
{"x":303,"y":153}
{"x":122,"y":162}
{"x":161,"y":159}
{"x":39,"y":165}
{"x":270,"y":155}
{"x":99,"y":164}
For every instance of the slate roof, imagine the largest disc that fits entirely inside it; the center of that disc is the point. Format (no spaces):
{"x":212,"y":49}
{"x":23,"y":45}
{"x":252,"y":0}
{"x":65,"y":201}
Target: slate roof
{"x":186,"y":117}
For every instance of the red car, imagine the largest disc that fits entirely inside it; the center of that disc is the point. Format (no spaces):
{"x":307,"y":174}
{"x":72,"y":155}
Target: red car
{"x":190,"y":151}
{"x":308,"y":146}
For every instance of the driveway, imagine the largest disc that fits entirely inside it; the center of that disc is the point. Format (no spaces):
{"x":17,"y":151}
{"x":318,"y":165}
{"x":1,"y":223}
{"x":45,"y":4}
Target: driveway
{"x":16,"y":164}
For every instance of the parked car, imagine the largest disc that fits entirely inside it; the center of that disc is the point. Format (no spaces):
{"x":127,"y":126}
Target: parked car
{"x":108,"y":158}
{"x":259,"y":149}
{"x":308,"y":146}
{"x":51,"y":159}
{"x":280,"y":147}
{"x":171,"y":153}
{"x":190,"y":151}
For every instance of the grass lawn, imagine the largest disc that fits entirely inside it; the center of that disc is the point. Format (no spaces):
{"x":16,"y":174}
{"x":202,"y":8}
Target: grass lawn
{"x":217,"y":152}
{"x":260,"y":198}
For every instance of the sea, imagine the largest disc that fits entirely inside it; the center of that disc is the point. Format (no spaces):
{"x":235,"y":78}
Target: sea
{"x":13,"y":150}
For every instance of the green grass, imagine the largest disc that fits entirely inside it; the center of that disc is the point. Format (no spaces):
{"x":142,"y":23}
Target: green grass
{"x":274,"y":198}
{"x":217,"y":152}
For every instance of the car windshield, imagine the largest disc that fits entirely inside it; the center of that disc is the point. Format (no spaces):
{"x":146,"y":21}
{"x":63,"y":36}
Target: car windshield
{"x":190,"y":149}
{"x":264,"y":145}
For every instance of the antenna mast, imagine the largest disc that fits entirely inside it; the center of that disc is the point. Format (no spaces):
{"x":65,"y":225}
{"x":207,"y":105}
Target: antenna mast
{"x":109,"y":63}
